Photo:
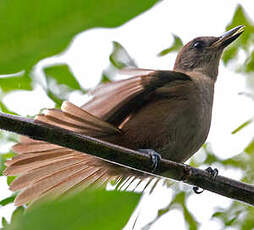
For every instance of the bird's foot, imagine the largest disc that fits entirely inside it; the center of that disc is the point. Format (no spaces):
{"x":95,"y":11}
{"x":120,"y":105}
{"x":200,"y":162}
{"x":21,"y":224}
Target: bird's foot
{"x":213,"y":173}
{"x":155,"y":157}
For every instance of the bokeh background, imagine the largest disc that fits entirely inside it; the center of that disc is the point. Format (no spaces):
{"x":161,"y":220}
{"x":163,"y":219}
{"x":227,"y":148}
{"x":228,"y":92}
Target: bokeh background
{"x":53,"y":51}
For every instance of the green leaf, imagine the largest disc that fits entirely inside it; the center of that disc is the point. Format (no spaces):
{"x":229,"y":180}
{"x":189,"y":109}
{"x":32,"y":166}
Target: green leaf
{"x":63,"y":76}
{"x":10,"y":179}
{"x":246,"y":123}
{"x":231,"y":221}
{"x":87,"y":210}
{"x":250,"y":148}
{"x":217,"y":214}
{"x":120,"y":58}
{"x":245,"y":40}
{"x":230,"y":53}
{"x":4,"y":109}
{"x":17,"y":214}
{"x":4,"y":222}
{"x":238,"y":161}
{"x":249,"y":63}
{"x":105,"y":78}
{"x":58,"y":101}
{"x":60,"y":82}
{"x":34,"y":30}
{"x":177,"y":44}
{"x":180,"y":199}
{"x":19,"y":82}
{"x":3,"y":158}
{"x":8,"y":200}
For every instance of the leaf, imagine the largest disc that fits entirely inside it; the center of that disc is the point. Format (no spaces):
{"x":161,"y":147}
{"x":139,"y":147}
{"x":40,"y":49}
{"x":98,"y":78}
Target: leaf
{"x":249,"y":63}
{"x":248,"y":221}
{"x":87,"y":210}
{"x":34,"y":30}
{"x":58,"y":101}
{"x":18,"y":82}
{"x":217,"y":214}
{"x":250,"y":148}
{"x":4,"y":222}
{"x":180,"y":199}
{"x":177,"y":44}
{"x":246,"y":123}
{"x":245,"y":40}
{"x":120,"y":58}
{"x":230,"y":53}
{"x":231,"y":221}
{"x":10,"y":179}
{"x":238,"y":161}
{"x":17,"y":214}
{"x":60,"y":82}
{"x":4,"y":109}
{"x":193,"y":224}
{"x":63,"y":76}
{"x":8,"y":200}
{"x":105,"y":78}
{"x":3,"y":158}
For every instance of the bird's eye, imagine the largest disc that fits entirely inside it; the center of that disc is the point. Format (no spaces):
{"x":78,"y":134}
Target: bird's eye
{"x":198,"y":44}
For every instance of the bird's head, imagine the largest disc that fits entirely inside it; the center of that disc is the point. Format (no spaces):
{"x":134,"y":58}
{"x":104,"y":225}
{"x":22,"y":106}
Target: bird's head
{"x":203,"y":54}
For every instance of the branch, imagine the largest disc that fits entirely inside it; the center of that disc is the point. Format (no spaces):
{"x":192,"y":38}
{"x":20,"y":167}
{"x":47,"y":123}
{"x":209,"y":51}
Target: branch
{"x":128,"y":158}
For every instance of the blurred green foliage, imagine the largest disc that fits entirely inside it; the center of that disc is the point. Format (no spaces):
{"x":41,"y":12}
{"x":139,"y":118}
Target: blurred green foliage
{"x":5,"y":109}
{"x":38,"y":29}
{"x":3,"y":158}
{"x":244,"y":42}
{"x":62,"y":75}
{"x":178,"y":202}
{"x":87,"y":210}
{"x":120,"y":58}
{"x":7,"y":200}
{"x":21,"y":81}
{"x":60,"y":82}
{"x":246,"y":123}
{"x":34,"y":30}
{"x":177,"y":44}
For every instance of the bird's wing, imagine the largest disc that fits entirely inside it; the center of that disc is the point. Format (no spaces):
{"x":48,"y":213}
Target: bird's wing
{"x":46,"y":169}
{"x":78,"y":120}
{"x":115,"y":101}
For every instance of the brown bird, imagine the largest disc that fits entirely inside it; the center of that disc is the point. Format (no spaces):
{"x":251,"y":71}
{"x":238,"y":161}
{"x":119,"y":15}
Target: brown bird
{"x":164,"y":111}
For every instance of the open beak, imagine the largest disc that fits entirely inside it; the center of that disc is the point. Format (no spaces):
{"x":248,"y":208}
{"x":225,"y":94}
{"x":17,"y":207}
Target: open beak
{"x":228,"y":37}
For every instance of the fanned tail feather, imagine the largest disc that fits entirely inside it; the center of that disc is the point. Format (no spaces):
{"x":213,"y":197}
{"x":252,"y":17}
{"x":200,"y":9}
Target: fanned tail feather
{"x":45,"y":169}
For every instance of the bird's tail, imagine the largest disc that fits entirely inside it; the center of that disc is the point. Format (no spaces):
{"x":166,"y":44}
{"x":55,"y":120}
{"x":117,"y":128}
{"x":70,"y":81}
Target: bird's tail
{"x":44,"y":169}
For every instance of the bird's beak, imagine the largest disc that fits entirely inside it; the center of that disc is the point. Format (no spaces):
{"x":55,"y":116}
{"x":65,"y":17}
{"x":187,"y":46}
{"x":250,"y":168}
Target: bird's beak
{"x":228,"y":37}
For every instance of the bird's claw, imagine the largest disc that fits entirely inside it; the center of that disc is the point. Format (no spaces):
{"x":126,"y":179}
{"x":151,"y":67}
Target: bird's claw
{"x":155,"y":157}
{"x":213,"y":173}
{"x":197,"y":190}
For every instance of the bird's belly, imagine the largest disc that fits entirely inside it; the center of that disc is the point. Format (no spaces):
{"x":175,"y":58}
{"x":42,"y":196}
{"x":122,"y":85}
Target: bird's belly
{"x":190,"y":135}
{"x":173,"y":129}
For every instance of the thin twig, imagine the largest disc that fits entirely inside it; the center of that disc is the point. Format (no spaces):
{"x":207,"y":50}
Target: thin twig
{"x":128,"y":158}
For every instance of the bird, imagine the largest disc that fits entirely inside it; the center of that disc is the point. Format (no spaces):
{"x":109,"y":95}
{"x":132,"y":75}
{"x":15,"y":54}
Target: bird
{"x":165,"y":113}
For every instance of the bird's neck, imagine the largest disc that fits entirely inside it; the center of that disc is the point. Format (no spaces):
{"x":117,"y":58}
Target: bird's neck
{"x":200,"y":73}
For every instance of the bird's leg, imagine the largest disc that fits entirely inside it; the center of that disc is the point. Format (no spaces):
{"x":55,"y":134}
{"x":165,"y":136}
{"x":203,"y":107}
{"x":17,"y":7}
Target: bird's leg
{"x":155,"y":157}
{"x":213,"y":173}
